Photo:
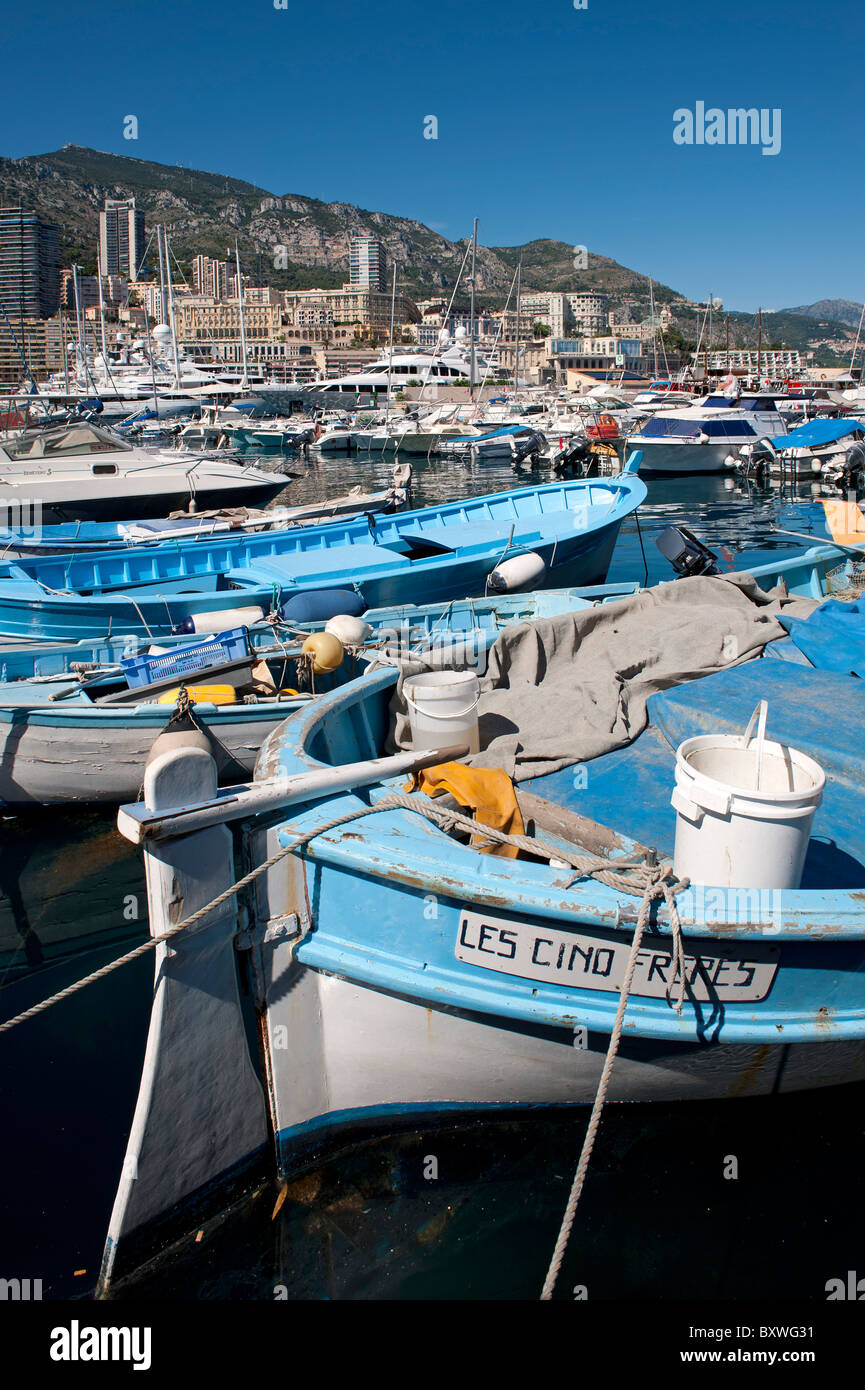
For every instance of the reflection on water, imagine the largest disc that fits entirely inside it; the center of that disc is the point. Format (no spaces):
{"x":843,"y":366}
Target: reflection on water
{"x":368,"y":1225}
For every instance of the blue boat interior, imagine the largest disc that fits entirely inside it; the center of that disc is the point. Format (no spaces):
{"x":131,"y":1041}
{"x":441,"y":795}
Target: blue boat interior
{"x":629,"y":789}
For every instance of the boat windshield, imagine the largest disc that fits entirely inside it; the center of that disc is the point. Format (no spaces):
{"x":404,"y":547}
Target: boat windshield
{"x":64,"y":443}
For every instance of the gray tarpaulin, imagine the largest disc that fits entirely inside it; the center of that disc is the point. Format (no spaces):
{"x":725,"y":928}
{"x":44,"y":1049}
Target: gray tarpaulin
{"x":562,"y":690}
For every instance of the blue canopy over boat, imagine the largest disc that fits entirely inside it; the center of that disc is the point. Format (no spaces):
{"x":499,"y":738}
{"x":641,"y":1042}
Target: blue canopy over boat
{"x":816,"y":433}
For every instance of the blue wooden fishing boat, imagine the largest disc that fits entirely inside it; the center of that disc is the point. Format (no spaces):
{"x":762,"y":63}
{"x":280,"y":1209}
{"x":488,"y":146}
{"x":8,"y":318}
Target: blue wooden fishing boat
{"x":71,"y":730}
{"x":85,"y":537}
{"x":400,"y":974}
{"x":536,"y":537}
{"x":65,"y":738}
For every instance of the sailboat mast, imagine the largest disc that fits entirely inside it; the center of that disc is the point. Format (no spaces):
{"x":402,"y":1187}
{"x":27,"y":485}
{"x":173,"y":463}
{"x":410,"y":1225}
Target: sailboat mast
{"x":245,"y":381}
{"x":162,"y":289}
{"x":654,"y":325}
{"x":759,"y":343}
{"x":390,"y":353}
{"x":171,"y":322}
{"x":709,"y":337}
{"x":517,"y":349}
{"x":101,"y":308}
{"x":82,"y":338}
{"x":64,"y":351}
{"x":472,"y":316}
{"x":727,"y":341}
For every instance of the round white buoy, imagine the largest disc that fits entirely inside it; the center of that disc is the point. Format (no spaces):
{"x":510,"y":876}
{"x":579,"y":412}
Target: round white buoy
{"x":352,"y":632}
{"x":520,"y":572}
{"x":222,"y":620}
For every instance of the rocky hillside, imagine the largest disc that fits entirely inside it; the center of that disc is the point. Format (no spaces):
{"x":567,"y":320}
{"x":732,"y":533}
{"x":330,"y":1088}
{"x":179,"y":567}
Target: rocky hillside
{"x":206,"y":212}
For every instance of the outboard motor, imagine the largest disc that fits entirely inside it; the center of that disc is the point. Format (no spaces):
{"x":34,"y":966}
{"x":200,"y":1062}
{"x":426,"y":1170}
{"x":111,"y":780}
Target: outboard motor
{"x":686,"y":554}
{"x":846,"y":467}
{"x":574,"y":455}
{"x":756,"y":459}
{"x":528,"y":445}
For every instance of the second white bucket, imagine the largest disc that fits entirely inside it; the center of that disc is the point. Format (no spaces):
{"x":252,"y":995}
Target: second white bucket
{"x":443,"y":708}
{"x":744,"y":808}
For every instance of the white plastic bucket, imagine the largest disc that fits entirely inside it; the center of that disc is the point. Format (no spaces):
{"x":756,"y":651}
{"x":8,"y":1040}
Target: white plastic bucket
{"x":744,"y":809}
{"x":443,"y":708}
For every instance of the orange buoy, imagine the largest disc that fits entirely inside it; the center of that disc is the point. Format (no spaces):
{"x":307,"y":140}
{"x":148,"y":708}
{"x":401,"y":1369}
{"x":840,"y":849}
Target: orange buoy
{"x":327,"y":651}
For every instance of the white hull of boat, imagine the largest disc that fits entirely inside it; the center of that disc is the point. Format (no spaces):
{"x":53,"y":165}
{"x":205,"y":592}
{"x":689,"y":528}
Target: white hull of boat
{"x":683,"y":458}
{"x":341,"y":1052}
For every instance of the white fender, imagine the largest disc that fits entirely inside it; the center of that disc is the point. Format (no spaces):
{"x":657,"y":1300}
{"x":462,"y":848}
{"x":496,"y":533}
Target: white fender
{"x":352,"y":632}
{"x":223,"y":619}
{"x":520,"y":572}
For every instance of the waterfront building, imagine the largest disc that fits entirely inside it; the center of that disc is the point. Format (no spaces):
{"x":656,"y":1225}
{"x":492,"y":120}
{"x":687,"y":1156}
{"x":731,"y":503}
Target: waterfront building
{"x":121,"y":238}
{"x":367,"y":264}
{"x":29,"y":265}
{"x":588,"y":310}
{"x":364,"y":309}
{"x":210,"y":277}
{"x":114,"y":290}
{"x":41,"y":341}
{"x":601,"y":355}
{"x":772,"y":362}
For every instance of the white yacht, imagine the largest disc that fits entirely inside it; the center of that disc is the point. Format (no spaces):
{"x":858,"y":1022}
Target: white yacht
{"x":407,"y":368}
{"x":143,"y":371}
{"x":81,"y":472}
{"x":698,"y":438}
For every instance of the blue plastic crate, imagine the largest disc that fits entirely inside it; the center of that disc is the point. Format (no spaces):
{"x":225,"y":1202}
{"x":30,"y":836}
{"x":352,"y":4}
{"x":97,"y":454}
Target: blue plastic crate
{"x":184,"y":661}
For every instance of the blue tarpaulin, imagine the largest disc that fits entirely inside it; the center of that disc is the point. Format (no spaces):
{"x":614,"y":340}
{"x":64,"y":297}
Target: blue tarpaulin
{"x":833,"y":638}
{"x":816,"y":433}
{"x":820,"y":713}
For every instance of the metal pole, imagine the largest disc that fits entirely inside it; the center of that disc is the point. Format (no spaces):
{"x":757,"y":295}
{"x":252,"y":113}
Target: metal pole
{"x":472,"y":318}
{"x":390,"y":354}
{"x":517,"y":349}
{"x":171,"y":321}
{"x":759,"y":343}
{"x":245,"y":381}
{"x":727,"y":327}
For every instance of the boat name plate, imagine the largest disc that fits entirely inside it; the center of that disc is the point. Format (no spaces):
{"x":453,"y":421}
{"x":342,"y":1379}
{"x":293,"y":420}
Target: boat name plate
{"x":594,"y":961}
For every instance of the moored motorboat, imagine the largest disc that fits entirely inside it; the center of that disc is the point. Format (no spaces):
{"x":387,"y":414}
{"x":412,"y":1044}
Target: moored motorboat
{"x":82,"y":472}
{"x":698,"y":438}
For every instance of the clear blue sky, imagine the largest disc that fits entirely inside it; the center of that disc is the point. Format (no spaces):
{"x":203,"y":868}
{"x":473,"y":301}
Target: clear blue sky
{"x":553,"y":122}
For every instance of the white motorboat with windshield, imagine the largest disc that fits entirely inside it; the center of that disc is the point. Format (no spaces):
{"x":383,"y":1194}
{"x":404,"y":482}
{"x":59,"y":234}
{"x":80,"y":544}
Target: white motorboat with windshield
{"x":81,"y":471}
{"x":698,"y":438}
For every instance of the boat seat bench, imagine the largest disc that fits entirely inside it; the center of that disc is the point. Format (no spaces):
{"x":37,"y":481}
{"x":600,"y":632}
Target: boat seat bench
{"x":316,"y":564}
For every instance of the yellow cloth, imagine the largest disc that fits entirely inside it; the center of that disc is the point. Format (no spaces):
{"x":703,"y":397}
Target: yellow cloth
{"x":845,"y":522}
{"x":488,"y":791}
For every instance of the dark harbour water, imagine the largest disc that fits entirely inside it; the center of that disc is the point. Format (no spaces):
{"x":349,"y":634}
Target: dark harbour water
{"x":658,"y":1219}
